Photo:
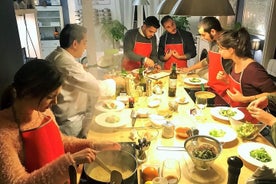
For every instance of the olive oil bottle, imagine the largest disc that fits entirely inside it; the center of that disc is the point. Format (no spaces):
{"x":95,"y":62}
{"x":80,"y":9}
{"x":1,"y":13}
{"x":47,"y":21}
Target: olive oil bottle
{"x":172,"y":81}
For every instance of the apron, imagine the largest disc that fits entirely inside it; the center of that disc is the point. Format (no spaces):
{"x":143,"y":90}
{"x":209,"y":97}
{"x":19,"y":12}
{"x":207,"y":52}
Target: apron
{"x":140,"y":48}
{"x":42,"y":145}
{"x":214,"y":66}
{"x":179,"y":48}
{"x":241,"y":106}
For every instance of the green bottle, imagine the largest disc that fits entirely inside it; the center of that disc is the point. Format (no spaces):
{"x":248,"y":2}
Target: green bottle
{"x":172,"y":81}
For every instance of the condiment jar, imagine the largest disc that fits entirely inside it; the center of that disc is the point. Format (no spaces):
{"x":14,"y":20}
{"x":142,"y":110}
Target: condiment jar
{"x":168,"y":130}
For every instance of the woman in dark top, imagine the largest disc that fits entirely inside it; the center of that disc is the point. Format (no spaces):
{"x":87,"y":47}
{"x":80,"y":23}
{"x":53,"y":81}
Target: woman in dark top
{"x":248,"y":80}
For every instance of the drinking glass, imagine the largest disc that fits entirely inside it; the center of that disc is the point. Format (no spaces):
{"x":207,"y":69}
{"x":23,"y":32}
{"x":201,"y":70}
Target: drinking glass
{"x":171,"y":171}
{"x":201,"y":103}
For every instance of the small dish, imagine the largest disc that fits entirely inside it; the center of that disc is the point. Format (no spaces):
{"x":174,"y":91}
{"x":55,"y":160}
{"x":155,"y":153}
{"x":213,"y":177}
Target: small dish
{"x":182,"y":100}
{"x":154,"y":103}
{"x":157,"y":120}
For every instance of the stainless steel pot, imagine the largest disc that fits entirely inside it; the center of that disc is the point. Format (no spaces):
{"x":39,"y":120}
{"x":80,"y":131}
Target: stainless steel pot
{"x":122,"y":161}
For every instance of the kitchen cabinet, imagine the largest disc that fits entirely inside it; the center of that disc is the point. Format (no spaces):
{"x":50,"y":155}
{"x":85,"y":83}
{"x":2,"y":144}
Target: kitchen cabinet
{"x":50,"y":21}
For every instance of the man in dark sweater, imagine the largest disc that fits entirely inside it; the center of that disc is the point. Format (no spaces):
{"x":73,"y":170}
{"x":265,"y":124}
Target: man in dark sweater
{"x":140,"y":45}
{"x":176,"y":45}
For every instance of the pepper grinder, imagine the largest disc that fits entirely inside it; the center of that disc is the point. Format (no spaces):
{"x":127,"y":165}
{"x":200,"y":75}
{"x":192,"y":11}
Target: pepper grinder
{"x":234,"y":167}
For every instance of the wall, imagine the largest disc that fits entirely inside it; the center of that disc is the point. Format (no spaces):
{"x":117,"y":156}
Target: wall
{"x":11,"y":56}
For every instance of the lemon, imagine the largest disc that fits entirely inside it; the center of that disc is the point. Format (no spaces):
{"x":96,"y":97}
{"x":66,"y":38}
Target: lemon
{"x":148,"y":182}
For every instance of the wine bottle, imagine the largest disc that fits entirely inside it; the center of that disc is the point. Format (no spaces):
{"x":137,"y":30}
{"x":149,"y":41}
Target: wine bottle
{"x":142,"y":78}
{"x":172,"y":81}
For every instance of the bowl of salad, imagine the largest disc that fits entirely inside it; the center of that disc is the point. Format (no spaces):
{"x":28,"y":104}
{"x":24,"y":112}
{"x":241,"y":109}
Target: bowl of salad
{"x":203,"y":150}
{"x":245,"y":129}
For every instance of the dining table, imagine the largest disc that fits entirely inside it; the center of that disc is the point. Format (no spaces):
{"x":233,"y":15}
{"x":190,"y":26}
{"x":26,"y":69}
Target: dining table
{"x":180,"y":116}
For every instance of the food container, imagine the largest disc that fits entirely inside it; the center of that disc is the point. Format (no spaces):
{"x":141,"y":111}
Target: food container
{"x":207,"y":94}
{"x":168,"y":130}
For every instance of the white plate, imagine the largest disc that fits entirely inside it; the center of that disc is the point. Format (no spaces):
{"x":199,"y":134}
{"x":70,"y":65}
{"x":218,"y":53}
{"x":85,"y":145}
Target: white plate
{"x":230,"y":134}
{"x":244,"y":151}
{"x":201,"y":81}
{"x":215,"y":112}
{"x":182,"y":102}
{"x":101,"y":106}
{"x":101,"y":120}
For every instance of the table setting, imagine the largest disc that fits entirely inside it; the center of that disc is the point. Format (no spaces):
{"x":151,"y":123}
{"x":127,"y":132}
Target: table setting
{"x":210,"y":122}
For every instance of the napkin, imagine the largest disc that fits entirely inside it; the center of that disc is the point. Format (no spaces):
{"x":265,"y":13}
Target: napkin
{"x":262,"y":175}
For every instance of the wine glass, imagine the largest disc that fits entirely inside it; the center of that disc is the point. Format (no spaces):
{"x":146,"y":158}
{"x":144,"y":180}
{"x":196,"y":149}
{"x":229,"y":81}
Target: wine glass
{"x":171,"y":171}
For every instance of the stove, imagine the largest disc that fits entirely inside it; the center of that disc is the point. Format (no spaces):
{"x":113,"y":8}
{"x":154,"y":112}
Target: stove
{"x":125,"y":146}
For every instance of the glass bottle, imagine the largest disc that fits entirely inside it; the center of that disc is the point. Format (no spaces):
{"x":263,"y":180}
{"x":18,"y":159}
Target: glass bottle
{"x":56,"y":33}
{"x":172,"y":81}
{"x":142,"y":78}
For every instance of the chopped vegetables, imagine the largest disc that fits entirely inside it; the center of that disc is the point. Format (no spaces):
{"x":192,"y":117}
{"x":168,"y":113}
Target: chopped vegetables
{"x":217,"y":133}
{"x":205,"y":151}
{"x":261,"y":155}
{"x":227,"y":112}
{"x":194,"y":79}
{"x":246,"y":130}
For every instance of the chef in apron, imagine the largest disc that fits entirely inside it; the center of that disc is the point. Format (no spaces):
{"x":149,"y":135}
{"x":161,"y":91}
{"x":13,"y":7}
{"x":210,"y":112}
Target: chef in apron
{"x":176,"y":45}
{"x":140,"y":45}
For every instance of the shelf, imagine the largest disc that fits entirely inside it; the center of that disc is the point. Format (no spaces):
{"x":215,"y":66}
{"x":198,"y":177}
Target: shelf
{"x":21,"y":12}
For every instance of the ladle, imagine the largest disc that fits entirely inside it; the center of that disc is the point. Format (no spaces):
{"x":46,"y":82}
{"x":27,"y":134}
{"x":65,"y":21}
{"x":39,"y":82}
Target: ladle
{"x":115,"y":176}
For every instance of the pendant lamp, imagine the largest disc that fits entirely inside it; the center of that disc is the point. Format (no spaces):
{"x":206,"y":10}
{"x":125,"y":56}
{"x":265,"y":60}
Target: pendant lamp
{"x":196,"y":7}
{"x":140,"y":2}
{"x":165,"y":7}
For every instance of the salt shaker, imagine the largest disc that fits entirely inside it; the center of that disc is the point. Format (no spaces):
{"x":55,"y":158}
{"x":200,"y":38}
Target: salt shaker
{"x":234,"y":168}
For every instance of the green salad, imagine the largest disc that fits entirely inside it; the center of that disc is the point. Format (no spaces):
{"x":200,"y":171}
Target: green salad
{"x":246,"y":130}
{"x":204,"y":151}
{"x":261,"y":155}
{"x":217,"y":133}
{"x":194,"y":79}
{"x":227,"y":112}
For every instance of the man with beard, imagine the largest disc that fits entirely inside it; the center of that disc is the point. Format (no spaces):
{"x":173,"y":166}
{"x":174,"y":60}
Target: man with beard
{"x":140,"y":45}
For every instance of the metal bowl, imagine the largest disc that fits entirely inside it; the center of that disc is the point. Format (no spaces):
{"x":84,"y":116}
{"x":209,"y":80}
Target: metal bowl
{"x":203,"y":150}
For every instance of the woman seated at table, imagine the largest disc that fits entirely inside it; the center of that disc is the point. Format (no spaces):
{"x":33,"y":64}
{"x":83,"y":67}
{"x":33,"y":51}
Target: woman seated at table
{"x":248,"y":80}
{"x":32,"y":149}
{"x":256,"y":107}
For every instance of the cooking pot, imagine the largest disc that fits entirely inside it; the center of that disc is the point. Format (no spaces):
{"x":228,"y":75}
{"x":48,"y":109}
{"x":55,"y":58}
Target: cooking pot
{"x":207,"y":94}
{"x":122,"y":161}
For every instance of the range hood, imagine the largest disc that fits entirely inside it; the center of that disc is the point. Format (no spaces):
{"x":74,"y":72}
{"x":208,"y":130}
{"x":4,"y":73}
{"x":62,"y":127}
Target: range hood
{"x":196,"y":7}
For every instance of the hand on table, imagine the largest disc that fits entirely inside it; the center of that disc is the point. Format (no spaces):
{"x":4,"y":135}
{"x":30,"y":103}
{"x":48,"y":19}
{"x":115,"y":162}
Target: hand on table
{"x":148,"y":62}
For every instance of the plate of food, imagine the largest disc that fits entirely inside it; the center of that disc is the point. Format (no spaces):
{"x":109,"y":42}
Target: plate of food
{"x":222,"y":133}
{"x":182,"y":100}
{"x":195,"y":80}
{"x":258,"y":154}
{"x":111,"y":119}
{"x":109,"y":105}
{"x":224,"y":113}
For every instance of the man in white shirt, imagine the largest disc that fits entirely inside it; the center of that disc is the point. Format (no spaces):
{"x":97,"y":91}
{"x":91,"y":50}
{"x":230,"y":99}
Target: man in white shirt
{"x":80,"y":89}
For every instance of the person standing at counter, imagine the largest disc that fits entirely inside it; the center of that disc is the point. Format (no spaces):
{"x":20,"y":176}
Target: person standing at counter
{"x":175,"y":45}
{"x":140,"y":45}
{"x":256,"y":107}
{"x":32,"y":149}
{"x":210,"y":29}
{"x":80,"y":86}
{"x":248,"y":80}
